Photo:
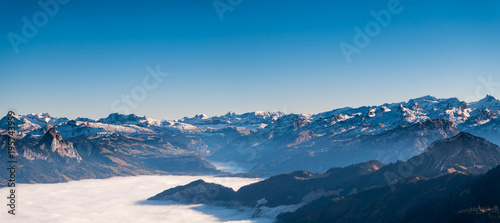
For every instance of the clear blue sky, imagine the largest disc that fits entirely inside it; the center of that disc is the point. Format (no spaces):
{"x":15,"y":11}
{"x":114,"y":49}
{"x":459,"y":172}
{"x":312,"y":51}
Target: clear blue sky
{"x":265,"y":55}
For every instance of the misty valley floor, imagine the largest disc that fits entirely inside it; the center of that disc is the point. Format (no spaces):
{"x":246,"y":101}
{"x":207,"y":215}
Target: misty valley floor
{"x":119,"y":199}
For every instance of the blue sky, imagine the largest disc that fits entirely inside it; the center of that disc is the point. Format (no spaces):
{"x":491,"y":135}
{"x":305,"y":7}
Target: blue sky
{"x":264,"y":55}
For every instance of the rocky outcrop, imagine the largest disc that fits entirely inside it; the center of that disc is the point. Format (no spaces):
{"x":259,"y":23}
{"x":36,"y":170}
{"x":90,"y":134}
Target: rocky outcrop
{"x":53,"y":142}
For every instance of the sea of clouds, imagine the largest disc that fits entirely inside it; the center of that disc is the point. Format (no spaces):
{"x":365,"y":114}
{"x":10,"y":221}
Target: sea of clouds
{"x":118,"y":199}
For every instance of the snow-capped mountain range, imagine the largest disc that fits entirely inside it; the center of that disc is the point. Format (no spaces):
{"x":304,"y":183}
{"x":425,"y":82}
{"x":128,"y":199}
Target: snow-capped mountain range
{"x":33,"y":124}
{"x":363,"y":120}
{"x":274,"y":142}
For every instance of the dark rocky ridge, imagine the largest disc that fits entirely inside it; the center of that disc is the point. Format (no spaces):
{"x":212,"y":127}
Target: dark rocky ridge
{"x":441,"y":199}
{"x":464,"y":154}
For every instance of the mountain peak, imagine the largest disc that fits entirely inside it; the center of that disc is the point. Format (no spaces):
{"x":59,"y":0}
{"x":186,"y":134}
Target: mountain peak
{"x":426,"y":98}
{"x":116,"y":118}
{"x":463,"y":152}
{"x":51,"y":135}
{"x":463,"y":137}
{"x":54,"y":142}
{"x":488,"y":102}
{"x":197,"y":182}
{"x":117,"y":115}
{"x":202,"y":116}
{"x":489,"y":97}
{"x":190,"y":193}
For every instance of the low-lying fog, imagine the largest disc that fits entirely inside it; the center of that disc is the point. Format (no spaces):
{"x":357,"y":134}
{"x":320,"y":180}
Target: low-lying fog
{"x":117,"y":199}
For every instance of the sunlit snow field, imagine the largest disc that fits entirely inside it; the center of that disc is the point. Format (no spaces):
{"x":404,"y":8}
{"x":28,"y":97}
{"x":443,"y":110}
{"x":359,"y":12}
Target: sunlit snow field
{"x":118,"y":199}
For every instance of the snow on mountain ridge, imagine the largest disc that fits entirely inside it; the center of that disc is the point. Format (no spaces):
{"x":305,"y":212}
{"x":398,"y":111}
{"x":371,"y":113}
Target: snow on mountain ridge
{"x":365,"y":119}
{"x":488,"y":102}
{"x":250,"y":120}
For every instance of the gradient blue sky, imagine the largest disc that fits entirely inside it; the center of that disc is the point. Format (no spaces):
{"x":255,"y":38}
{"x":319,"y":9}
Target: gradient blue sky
{"x":265,"y":55}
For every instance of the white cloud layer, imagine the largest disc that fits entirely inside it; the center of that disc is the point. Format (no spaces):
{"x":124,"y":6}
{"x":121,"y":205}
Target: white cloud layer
{"x":117,"y":199}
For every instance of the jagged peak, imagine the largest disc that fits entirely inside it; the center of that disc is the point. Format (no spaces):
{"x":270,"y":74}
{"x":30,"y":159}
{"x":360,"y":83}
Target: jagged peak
{"x":52,"y":132}
{"x":488,"y":102}
{"x":489,"y":97}
{"x":51,"y":136}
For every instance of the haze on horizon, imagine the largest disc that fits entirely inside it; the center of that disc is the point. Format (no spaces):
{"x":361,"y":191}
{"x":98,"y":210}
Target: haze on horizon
{"x":258,"y":56}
